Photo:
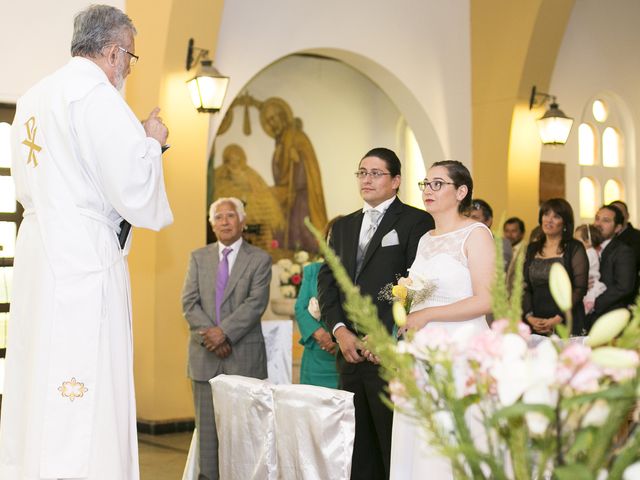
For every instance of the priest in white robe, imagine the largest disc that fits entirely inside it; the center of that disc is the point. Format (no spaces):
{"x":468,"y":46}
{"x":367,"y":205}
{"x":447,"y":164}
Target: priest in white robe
{"x":82,"y":162}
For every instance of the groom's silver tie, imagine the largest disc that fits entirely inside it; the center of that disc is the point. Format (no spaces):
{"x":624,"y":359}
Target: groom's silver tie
{"x":374,"y":218}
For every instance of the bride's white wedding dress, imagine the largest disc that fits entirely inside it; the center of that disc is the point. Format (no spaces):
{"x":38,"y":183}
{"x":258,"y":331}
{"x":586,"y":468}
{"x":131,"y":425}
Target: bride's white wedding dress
{"x":439,"y":259}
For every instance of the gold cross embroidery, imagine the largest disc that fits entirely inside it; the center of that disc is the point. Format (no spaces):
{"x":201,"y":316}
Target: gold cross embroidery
{"x":30,"y":142}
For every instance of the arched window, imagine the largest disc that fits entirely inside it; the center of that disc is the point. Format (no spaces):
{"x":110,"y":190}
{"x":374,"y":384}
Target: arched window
{"x":611,"y":154}
{"x":588,"y":195}
{"x":613,"y":191}
{"x":602,"y":155}
{"x":586,"y":144}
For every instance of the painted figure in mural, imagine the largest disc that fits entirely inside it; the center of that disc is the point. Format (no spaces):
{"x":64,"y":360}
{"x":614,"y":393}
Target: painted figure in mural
{"x":296,"y":174}
{"x":234,"y":178}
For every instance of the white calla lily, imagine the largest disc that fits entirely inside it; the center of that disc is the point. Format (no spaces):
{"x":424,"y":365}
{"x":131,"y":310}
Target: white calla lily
{"x":608,"y":327}
{"x":399,"y":314}
{"x":560,"y":286}
{"x":614,"y":357}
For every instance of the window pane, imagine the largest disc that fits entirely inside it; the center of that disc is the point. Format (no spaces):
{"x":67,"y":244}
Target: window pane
{"x":5,"y":151}
{"x":611,"y":148}
{"x":4,"y":320}
{"x":7,"y":239}
{"x":612,"y":191}
{"x":600,"y":110}
{"x":588,"y":200}
{"x":1,"y":375}
{"x":586,"y":145}
{"x":7,"y":195}
{"x":6,"y":281}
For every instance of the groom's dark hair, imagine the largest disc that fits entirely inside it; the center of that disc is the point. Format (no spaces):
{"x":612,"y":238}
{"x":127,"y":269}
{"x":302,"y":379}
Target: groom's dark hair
{"x":387,"y":156}
{"x":460,"y":176}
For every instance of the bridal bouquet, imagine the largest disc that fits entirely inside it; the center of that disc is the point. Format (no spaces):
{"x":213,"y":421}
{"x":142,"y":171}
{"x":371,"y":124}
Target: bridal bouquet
{"x":407,"y":291}
{"x":505,"y":404}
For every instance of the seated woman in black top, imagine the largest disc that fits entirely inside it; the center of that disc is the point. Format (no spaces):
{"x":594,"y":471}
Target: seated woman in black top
{"x":555,"y":245}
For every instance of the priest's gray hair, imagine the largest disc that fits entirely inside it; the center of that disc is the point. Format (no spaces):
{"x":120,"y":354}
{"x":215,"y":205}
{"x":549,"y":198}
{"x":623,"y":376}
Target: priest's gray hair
{"x":238,"y":205}
{"x":96,"y":27}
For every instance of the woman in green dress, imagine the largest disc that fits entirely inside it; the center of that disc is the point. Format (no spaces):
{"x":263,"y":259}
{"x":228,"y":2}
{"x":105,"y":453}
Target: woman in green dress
{"x":318,"y":366}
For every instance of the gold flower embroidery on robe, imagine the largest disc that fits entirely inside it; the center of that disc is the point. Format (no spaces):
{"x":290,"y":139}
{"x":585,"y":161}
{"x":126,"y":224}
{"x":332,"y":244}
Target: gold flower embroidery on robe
{"x":72,"y":389}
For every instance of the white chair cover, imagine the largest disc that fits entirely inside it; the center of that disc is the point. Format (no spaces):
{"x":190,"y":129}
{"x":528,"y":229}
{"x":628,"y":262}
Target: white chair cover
{"x":316,"y":428}
{"x":245,"y":422}
{"x":191,"y":468}
{"x":278,"y":337}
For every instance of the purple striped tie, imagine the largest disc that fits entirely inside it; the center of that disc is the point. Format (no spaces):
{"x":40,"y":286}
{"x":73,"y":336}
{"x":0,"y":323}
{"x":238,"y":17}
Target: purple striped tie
{"x":221,"y":280}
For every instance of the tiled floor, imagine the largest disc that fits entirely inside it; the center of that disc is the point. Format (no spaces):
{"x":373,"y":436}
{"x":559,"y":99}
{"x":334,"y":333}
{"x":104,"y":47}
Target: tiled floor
{"x":163,"y":457}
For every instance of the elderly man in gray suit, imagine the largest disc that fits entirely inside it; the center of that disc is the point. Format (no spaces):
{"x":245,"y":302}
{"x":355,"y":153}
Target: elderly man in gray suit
{"x":225,"y":294}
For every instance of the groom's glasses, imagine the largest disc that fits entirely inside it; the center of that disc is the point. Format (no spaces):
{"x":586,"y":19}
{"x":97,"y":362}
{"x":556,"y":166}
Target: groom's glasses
{"x":375,"y":174}
{"x":435,"y":185}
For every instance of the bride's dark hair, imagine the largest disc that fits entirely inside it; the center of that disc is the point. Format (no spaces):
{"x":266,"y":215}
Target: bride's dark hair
{"x":460,"y":176}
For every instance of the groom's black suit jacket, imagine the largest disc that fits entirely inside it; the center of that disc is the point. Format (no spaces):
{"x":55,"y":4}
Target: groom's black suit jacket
{"x":381,"y":264}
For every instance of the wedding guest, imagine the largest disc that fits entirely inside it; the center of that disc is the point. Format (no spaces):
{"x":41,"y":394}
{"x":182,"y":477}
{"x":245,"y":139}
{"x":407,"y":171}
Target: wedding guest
{"x":225,"y":293}
{"x":617,"y":264}
{"x":591,"y":238}
{"x":556,"y":245}
{"x":629,"y":236}
{"x":513,"y":230}
{"x":318,"y":366}
{"x":482,"y":212}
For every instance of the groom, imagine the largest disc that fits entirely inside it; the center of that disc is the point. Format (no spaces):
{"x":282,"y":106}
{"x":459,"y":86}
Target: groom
{"x":376,"y":244}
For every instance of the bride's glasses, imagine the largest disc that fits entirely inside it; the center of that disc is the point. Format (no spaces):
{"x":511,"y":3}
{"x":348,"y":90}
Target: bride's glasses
{"x":434,"y":185}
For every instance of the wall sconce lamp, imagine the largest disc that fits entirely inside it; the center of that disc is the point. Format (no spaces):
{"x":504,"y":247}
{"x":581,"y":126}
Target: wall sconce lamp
{"x":554,"y":126}
{"x":208,"y":87}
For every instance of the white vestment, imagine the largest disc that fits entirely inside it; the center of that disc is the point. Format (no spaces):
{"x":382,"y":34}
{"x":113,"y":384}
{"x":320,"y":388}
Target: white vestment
{"x":81,"y":162}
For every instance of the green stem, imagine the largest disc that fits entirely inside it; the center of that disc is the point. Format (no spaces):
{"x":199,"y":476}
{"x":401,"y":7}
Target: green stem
{"x":517,"y":448}
{"x":626,"y":457}
{"x":602,"y":446}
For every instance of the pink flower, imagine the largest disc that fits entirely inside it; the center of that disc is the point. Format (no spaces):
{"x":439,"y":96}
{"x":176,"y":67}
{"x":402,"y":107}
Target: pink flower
{"x":500,"y":325}
{"x":524,"y":330}
{"x":575,"y":355}
{"x":398,"y":393}
{"x":586,"y":378}
{"x":432,"y":339}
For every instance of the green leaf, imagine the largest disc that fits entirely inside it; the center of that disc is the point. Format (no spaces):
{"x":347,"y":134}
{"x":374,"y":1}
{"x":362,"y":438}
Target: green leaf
{"x":562,"y":330}
{"x":573,"y":472}
{"x":582,"y":443}
{"x":617,"y":392}
{"x":520,"y":409}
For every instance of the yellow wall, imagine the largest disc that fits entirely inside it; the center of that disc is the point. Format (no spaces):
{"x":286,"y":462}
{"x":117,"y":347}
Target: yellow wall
{"x":513,"y":47}
{"x":158,"y":260}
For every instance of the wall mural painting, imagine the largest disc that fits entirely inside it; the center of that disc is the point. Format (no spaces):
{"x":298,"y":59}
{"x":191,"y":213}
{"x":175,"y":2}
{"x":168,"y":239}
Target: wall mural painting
{"x":276,"y":208}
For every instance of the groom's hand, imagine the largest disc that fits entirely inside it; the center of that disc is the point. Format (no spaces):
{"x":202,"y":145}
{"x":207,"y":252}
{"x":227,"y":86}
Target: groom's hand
{"x":349,"y":345}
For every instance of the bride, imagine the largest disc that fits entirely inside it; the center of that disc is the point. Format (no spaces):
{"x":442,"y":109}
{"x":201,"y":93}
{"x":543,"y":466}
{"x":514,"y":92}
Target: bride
{"x":458,"y":256}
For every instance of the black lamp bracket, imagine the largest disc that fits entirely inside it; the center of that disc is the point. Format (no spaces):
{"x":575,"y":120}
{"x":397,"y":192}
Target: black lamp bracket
{"x":541,"y":98}
{"x":201,"y":53}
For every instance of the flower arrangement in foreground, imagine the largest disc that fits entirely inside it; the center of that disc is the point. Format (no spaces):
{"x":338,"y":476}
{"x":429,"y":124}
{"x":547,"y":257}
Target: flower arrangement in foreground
{"x":291,"y":273}
{"x":505,"y":404}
